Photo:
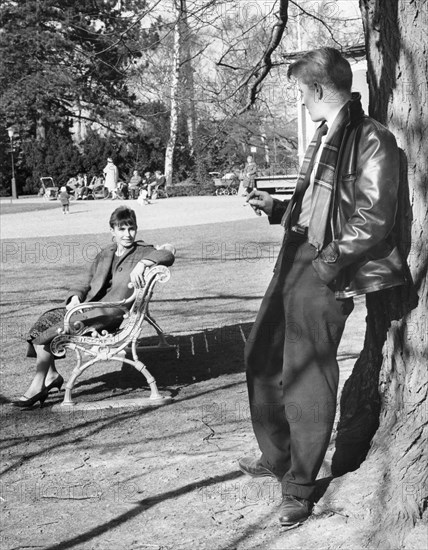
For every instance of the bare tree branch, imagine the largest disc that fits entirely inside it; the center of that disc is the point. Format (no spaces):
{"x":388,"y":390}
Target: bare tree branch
{"x":231,"y":47}
{"x":263,"y":67}
{"x":319,"y":20}
{"x":197,"y":54}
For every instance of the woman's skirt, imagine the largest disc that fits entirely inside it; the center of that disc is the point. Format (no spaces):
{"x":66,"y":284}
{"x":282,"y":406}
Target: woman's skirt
{"x":50,"y":322}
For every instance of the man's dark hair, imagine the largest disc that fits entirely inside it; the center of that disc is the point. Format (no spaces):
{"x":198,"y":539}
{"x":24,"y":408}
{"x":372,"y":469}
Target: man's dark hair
{"x":326,"y":66}
{"x":123,"y":216}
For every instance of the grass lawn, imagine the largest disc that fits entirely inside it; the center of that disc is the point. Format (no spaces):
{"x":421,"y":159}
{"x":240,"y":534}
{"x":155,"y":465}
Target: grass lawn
{"x":23,"y":206}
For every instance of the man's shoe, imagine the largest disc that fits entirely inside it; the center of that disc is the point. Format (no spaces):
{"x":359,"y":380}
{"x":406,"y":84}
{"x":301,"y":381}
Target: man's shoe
{"x":253,"y":468}
{"x":294,"y":510}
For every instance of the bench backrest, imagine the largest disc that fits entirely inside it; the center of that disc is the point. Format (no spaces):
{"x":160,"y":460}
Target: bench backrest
{"x":77,"y":334}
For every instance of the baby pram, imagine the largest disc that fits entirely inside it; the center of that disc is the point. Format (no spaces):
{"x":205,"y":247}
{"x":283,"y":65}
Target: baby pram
{"x":227,"y":185}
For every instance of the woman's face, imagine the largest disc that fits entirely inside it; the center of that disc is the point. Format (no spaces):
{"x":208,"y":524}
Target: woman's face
{"x":124,"y":235}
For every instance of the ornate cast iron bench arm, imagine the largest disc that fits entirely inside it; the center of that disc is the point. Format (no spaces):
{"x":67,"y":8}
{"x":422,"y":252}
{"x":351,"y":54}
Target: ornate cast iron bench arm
{"x":91,"y":346}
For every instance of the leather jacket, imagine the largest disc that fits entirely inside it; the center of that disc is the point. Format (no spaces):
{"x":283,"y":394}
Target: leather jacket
{"x":360,"y":255}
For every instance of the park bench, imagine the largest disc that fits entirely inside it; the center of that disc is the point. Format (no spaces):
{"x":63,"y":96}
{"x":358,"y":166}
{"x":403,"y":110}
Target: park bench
{"x":91,"y":346}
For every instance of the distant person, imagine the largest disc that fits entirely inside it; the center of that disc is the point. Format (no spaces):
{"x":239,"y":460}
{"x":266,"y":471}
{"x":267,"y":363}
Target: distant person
{"x":122,"y":190}
{"x":147,"y":180}
{"x":72,"y":182}
{"x":84,"y":192}
{"x":96,"y":184}
{"x":134,"y":185}
{"x":142,"y":197}
{"x":249,"y":175}
{"x":111,"y":177}
{"x":241,"y":189}
{"x":72,"y":186}
{"x":158,"y":183}
{"x":96,"y":181}
{"x":81,"y":180}
{"x":64,"y":199}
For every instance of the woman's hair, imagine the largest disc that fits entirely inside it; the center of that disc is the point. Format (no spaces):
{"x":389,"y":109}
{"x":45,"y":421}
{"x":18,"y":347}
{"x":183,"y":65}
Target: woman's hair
{"x":326,"y":66}
{"x":123,"y":216}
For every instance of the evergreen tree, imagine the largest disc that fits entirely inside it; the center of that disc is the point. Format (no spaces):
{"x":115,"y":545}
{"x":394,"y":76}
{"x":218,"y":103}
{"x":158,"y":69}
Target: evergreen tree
{"x":65,"y":60}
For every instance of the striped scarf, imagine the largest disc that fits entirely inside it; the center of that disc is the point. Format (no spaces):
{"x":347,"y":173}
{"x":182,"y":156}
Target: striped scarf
{"x":324,"y":181}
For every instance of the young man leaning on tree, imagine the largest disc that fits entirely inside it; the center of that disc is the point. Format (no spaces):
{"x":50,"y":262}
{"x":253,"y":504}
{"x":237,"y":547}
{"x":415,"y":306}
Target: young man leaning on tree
{"x":337,"y":244}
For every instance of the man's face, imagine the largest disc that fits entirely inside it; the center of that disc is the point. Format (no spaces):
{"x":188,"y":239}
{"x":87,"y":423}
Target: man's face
{"x":310,"y":99}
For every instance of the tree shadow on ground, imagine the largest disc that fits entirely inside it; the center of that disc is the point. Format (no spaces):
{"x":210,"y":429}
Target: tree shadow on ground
{"x":72,"y":425}
{"x":142,"y":506}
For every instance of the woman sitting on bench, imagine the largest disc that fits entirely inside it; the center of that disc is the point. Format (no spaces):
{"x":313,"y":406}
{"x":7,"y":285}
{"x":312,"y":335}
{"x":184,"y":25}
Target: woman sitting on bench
{"x":107,"y":281}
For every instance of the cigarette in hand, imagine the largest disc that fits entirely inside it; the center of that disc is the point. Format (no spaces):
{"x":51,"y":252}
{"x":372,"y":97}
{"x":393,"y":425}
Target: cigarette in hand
{"x":255,"y":208}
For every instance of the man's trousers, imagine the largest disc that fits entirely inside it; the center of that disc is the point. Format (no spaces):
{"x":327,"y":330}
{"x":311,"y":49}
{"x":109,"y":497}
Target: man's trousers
{"x":292,"y":370}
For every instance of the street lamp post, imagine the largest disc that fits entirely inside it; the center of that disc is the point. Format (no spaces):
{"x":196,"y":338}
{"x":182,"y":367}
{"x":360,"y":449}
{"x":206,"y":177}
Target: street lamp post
{"x":10,"y":132}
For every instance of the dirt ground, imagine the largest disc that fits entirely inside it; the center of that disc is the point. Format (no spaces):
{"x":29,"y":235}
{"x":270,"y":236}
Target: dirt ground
{"x":162,"y":477}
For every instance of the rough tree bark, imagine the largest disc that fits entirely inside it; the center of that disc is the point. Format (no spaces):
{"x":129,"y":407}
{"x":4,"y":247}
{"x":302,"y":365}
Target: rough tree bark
{"x":384,"y":403}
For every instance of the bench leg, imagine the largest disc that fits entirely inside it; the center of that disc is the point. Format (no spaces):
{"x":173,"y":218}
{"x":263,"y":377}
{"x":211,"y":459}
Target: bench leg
{"x":162,"y":340}
{"x":77,"y":371}
{"x":141,"y":367}
{"x":136,"y":363}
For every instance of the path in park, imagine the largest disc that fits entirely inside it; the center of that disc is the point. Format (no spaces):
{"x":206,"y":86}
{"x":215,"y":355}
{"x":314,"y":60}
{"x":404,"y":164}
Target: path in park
{"x":92,"y":216}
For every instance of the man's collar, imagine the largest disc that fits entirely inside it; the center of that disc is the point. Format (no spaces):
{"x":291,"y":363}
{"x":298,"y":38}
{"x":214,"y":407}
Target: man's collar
{"x":351,"y":110}
{"x":355,"y":108}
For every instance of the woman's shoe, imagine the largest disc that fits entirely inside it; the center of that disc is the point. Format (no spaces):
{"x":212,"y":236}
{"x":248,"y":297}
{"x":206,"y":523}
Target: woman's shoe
{"x":57,"y":383}
{"x":30,"y":401}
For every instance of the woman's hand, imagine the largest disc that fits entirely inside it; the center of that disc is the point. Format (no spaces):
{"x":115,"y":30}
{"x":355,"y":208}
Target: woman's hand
{"x":137,"y":274}
{"x":74,"y":301}
{"x":167,"y":246}
{"x":260,"y":200}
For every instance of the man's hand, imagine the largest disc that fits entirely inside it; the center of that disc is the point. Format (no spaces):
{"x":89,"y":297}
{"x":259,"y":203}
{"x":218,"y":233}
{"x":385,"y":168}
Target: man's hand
{"x":74,"y":301}
{"x":260,"y":201}
{"x":137,"y":274}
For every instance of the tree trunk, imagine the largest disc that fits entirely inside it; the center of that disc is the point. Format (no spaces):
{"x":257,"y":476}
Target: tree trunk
{"x":188,"y":84}
{"x":190,"y":108}
{"x":40,"y":128}
{"x":175,"y":83}
{"x":383,"y":404}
